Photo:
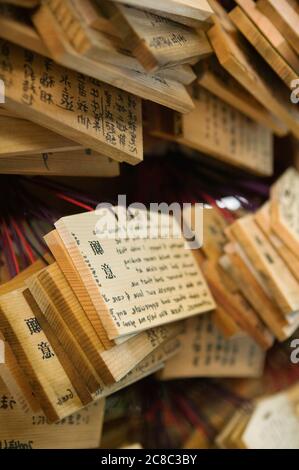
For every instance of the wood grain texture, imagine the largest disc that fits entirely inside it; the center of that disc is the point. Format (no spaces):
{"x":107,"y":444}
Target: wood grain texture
{"x":263,"y":46}
{"x":161,"y":90}
{"x":246,"y":68}
{"x":60,"y":106}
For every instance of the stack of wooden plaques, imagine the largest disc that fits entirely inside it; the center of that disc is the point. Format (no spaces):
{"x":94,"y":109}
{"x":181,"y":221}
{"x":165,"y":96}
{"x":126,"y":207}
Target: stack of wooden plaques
{"x":73,"y":116}
{"x":220,"y":81}
{"x":261,"y":258}
{"x":105,"y":313}
{"x":251,"y":266}
{"x":273,"y":423}
{"x":129,"y":47}
{"x":244,"y":91}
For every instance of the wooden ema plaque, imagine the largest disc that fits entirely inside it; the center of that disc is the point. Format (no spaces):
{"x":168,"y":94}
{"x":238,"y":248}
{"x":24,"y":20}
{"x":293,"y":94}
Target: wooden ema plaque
{"x":155,"y":41}
{"x":249,"y":70}
{"x":137,"y":283}
{"x":247,"y":27}
{"x":206,"y":353}
{"x":216,"y":80}
{"x":80,"y":108}
{"x":275,"y":274}
{"x":284,"y":209}
{"x":161,"y":89}
{"x":221,"y":131}
{"x":191,"y":12}
{"x":81,"y":430}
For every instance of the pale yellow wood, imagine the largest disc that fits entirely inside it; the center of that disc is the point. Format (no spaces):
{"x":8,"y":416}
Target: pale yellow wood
{"x":273,"y":35}
{"x":93,"y":16}
{"x":214,"y":238}
{"x":35,"y":355}
{"x":155,"y":41}
{"x":206,"y":353}
{"x":216,"y":80}
{"x":284,"y":205}
{"x":124,"y":357}
{"x":285,"y":18}
{"x":190,"y":22}
{"x":78,"y":337}
{"x":234,"y":140}
{"x":239,"y":61}
{"x":225,"y":323}
{"x":194,"y":9}
{"x":67,"y":266}
{"x":93,"y":44}
{"x":118,"y":284}
{"x":80,"y":430}
{"x":18,"y":281}
{"x":263,"y":46}
{"x":83,"y":162}
{"x":276,"y":275}
{"x":58,"y":105}
{"x":161,"y":90}
{"x":263,"y":219}
{"x":68,"y":322}
{"x":82,"y":385}
{"x":229,"y":298}
{"x":249,"y":286}
{"x":274,"y":422}
{"x":22,"y":137}
{"x":152,"y":363}
{"x":16,"y":381}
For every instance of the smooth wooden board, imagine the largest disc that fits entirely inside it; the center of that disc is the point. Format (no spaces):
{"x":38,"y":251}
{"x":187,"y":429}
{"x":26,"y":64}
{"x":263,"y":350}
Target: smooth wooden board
{"x":87,"y":42}
{"x":121,"y":359}
{"x":80,"y":430}
{"x":72,"y":327}
{"x":93,"y":16}
{"x":206,"y":353}
{"x":151,"y":364}
{"x":130,"y":297}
